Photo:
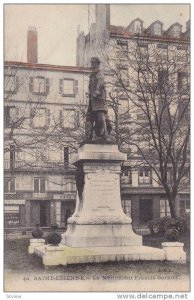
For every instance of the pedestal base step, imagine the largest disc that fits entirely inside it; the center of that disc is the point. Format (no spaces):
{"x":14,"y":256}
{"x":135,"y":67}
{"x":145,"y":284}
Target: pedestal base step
{"x":64,"y":255}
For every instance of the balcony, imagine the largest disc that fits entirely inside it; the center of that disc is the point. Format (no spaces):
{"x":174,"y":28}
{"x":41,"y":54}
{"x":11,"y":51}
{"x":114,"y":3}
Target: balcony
{"x":126,"y":180}
{"x":145,"y":181}
{"x":28,"y":165}
{"x":40,"y":195}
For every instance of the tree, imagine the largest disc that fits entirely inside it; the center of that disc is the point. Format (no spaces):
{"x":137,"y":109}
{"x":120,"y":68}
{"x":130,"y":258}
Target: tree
{"x":155,"y":79}
{"x":24,"y":141}
{"x":32,"y":131}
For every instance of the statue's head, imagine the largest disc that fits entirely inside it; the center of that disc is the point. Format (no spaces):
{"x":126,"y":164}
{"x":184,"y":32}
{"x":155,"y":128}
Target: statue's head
{"x":95,"y":62}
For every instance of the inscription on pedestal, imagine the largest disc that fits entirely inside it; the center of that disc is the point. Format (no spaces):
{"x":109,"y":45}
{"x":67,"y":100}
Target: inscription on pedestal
{"x":103,"y":187}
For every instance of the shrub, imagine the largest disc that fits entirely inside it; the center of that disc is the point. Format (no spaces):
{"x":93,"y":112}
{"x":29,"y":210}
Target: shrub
{"x":157,"y":226}
{"x":172,"y":234}
{"x":187,"y":221}
{"x":160,"y":226}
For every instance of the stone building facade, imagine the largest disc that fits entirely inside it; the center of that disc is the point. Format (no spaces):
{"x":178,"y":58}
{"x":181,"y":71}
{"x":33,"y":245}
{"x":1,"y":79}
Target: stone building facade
{"x":42,"y":102}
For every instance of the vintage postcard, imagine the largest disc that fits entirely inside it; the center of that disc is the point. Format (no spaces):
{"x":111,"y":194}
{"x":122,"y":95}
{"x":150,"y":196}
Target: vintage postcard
{"x":97,"y":148}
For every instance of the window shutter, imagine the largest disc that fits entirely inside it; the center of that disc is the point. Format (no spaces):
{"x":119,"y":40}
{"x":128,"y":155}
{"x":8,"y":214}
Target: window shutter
{"x":6,"y":185}
{"x":75,"y":86}
{"x":12,"y":157}
{"x":17,"y":113}
{"x":7,"y":116}
{"x":61,"y":117}
{"x":47,"y":85}
{"x":48,"y":117}
{"x":66,"y":158}
{"x":179,"y":80}
{"x":42,"y":185}
{"x":31,"y":117}
{"x":17,"y":83}
{"x":36,"y":185}
{"x":31,"y":84}
{"x":61,"y":86}
{"x":20,"y":155}
{"x":12,"y":185}
{"x":77,"y":121}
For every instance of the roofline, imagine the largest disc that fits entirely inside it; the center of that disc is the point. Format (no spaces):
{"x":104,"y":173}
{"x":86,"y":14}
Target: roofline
{"x":135,"y":20}
{"x":48,"y":67}
{"x":176,"y":23}
{"x":157,"y":21}
{"x":149,"y":37}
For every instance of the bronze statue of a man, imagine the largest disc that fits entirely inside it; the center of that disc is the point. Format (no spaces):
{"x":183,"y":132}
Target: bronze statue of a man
{"x":97,"y":118}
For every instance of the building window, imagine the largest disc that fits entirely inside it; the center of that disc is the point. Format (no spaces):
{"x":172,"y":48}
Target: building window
{"x":137,"y":27}
{"x":11,"y":83}
{"x":187,"y":206}
{"x":177,"y":31}
{"x":124,"y":107}
{"x":55,"y":154}
{"x":122,"y":79}
{"x":184,"y":204}
{"x":182,"y":81}
{"x":143,"y":45}
{"x":126,"y":205}
{"x":39,"y":85}
{"x":162,"y":46}
{"x":41,"y":118}
{"x":162,"y":57}
{"x":183,"y":109}
{"x":123,"y":94}
{"x":9,"y":186}
{"x":126,"y":176}
{"x":121,"y":55}
{"x":11,"y":116}
{"x":12,"y":215}
{"x":123,"y":44}
{"x":68,"y":87}
{"x":142,"y":118}
{"x":145,"y":176}
{"x":162,"y":78}
{"x":122,"y":51}
{"x":157,"y":29}
{"x":182,"y":56}
{"x":122,"y":66}
{"x":13,"y":158}
{"x":39,"y":185}
{"x":164,"y":208}
{"x":69,"y":186}
{"x":68,"y":118}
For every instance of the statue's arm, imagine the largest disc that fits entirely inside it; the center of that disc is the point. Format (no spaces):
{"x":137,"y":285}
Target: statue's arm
{"x":99,"y":86}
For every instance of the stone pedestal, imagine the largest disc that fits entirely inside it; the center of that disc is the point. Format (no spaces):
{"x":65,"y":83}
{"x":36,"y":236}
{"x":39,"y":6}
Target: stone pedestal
{"x":99,"y":231}
{"x":35,"y":243}
{"x":99,"y":220}
{"x":174,"y":251}
{"x":52,"y":255}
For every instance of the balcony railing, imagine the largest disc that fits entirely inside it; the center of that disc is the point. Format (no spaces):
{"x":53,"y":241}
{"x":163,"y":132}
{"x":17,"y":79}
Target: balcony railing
{"x":145,"y":181}
{"x":126,"y":180}
{"x":29,"y":164}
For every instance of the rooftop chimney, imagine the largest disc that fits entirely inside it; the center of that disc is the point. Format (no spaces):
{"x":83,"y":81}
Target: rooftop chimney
{"x":32,"y":45}
{"x":102,"y":16}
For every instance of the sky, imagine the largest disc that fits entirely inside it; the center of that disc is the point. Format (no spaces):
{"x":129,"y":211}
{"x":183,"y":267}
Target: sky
{"x":57,"y":26}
